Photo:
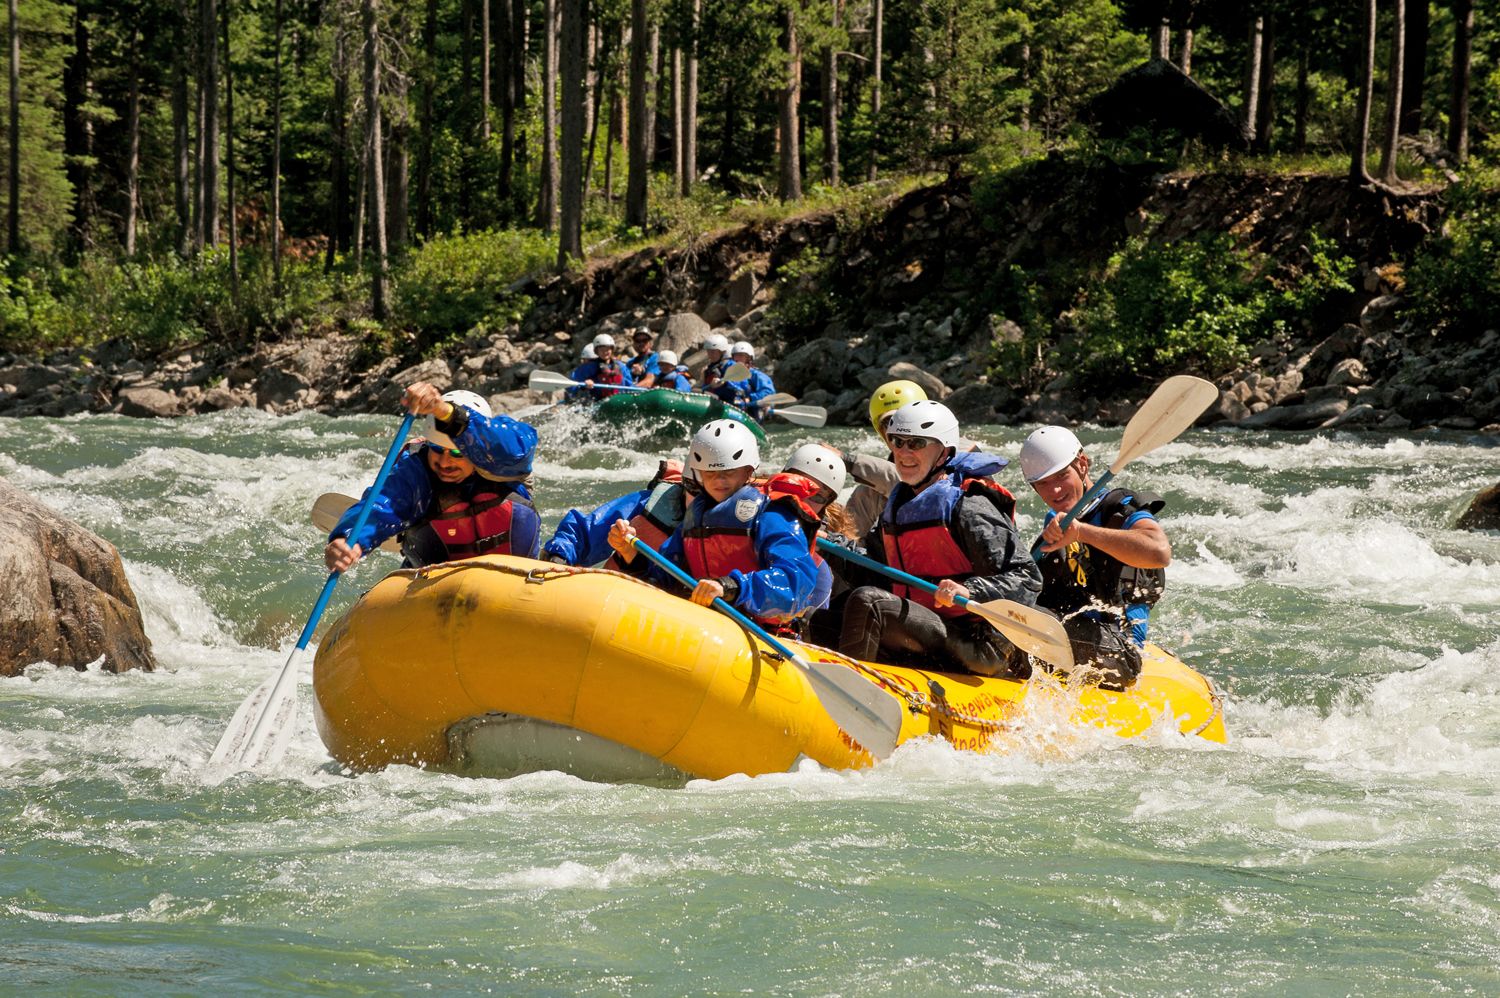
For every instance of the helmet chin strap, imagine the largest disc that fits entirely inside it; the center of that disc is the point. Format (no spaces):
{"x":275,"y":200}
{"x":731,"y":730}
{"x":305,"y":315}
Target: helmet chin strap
{"x":936,"y":467}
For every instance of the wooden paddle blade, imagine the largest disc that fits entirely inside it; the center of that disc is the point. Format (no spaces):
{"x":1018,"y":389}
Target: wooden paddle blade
{"x":779,"y":398}
{"x":737,"y":372}
{"x":549,"y":381}
{"x":330,"y":508}
{"x":864,"y":711}
{"x":802,"y":415}
{"x":1173,"y":407}
{"x":1029,"y":628}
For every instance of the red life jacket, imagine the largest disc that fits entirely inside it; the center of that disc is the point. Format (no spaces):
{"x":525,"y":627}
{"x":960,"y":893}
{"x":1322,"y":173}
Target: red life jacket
{"x":716,"y":540}
{"x":918,"y":535}
{"x":610,"y":374}
{"x":662,"y":511}
{"x":489,"y":522}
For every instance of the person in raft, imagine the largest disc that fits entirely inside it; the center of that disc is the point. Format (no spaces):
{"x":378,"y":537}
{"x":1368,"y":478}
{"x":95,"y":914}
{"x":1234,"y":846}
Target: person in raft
{"x":946,"y":522}
{"x":673,"y":375}
{"x":604,"y":370}
{"x":645,"y":366}
{"x":808,"y":485}
{"x":458,"y":493}
{"x":1105,"y":572}
{"x":717,"y":346}
{"x":655,"y":511}
{"x":739,"y":544}
{"x":747,"y":392}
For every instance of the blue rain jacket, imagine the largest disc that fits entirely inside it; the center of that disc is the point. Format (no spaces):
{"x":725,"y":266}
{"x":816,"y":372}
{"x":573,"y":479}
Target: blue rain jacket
{"x":748,"y":393}
{"x":589,"y":371}
{"x":582,"y":538}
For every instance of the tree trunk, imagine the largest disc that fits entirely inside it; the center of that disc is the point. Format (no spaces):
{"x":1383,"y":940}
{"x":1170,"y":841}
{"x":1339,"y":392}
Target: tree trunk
{"x":1265,"y":121}
{"x":234,"y":232}
{"x":1161,"y":40}
{"x":831,"y":103}
{"x":507,"y":88}
{"x":132,"y":143}
{"x":78,"y":129}
{"x":1414,"y":68}
{"x":677,"y":116}
{"x":653,"y":96}
{"x":276,"y":156}
{"x":519,"y":10}
{"x":209,"y":86}
{"x":484,"y":70}
{"x":789,"y":180}
{"x":640,"y":123}
{"x":181,"y":154}
{"x":375,"y":180}
{"x":594,"y":110}
{"x":13,"y":208}
{"x":398,"y":167}
{"x":1463,"y":61}
{"x":1252,"y":78}
{"x":1359,"y":166}
{"x":690,"y":100}
{"x":338,"y":169}
{"x":1304,"y":100}
{"x":1187,"y":52}
{"x":574,"y":91}
{"x":1393,"y":112}
{"x":877,"y":16}
{"x":546,"y":203}
{"x":428,"y":121}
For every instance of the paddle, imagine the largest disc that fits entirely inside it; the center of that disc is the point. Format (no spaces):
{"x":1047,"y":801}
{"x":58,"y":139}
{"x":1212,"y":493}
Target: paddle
{"x":1034,"y":631}
{"x":802,"y":415}
{"x":1173,"y":407}
{"x":865,"y":713}
{"x":260,"y":730}
{"x":329,"y":509}
{"x":779,"y":398}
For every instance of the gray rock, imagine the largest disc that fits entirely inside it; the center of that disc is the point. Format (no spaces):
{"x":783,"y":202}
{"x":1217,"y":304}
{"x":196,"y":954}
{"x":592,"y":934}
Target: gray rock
{"x":818,"y":362}
{"x":682,"y":333}
{"x":435,"y":371}
{"x":219,"y":398}
{"x":1483,"y":512}
{"x":931,"y":383}
{"x":1229,"y":407}
{"x":276,"y":386}
{"x":1380,"y":314}
{"x":1362,"y":414}
{"x":64,"y":597}
{"x":1306,"y":416}
{"x":742,"y":293}
{"x":147,"y":402}
{"x":983,"y":403}
{"x":1349,"y":371}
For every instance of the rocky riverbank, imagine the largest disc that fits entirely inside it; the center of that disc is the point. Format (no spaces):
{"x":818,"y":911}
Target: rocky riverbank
{"x":903,"y":287}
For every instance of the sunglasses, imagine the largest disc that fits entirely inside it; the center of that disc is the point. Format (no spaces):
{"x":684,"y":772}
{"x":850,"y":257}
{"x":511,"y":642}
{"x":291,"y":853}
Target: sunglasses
{"x":907,"y":443}
{"x":450,"y":451}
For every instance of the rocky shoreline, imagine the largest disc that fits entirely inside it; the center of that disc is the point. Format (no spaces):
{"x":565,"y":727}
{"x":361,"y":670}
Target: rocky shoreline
{"x":906,"y":313}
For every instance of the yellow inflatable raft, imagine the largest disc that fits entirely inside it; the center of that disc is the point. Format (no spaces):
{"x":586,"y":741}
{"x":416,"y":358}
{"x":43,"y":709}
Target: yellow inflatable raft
{"x":501,"y":665}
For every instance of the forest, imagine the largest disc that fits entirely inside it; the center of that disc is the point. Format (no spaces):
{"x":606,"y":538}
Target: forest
{"x":181,"y":170}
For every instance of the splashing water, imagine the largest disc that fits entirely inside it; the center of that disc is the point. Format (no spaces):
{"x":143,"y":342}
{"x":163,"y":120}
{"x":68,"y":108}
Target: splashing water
{"x":1343,"y":840}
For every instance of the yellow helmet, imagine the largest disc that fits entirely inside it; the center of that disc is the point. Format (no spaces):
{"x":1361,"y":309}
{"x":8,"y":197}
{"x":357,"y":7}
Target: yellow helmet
{"x":891,"y":396}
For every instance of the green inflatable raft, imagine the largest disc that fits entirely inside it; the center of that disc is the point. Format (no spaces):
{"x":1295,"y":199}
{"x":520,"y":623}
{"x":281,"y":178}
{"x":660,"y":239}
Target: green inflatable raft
{"x":693,"y":409}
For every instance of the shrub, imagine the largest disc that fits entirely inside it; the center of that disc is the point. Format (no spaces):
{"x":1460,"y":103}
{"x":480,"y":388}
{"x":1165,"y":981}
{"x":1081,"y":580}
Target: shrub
{"x":1455,"y":280}
{"x":1193,"y":304}
{"x":453,"y":284}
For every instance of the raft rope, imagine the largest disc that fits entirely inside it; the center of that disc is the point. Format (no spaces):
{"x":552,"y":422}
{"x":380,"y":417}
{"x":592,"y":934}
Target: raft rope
{"x":918,"y":703}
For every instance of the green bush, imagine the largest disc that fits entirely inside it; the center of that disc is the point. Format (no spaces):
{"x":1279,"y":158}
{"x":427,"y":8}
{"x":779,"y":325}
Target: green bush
{"x":454,"y":284}
{"x":1195,"y":304}
{"x":1454,"y":281}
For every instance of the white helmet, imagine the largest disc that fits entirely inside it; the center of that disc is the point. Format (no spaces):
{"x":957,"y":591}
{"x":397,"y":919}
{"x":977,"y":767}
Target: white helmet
{"x":1048,"y":451}
{"x":822,"y":464}
{"x":723,"y":445}
{"x":744,"y":347}
{"x":604,"y":340}
{"x":588,"y":352}
{"x":468,"y":400}
{"x":667,"y":359}
{"x":925,"y":419}
{"x":716,"y":341}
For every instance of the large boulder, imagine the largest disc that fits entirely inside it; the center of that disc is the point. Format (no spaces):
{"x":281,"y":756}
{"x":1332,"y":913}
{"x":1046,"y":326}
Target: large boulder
{"x":64,"y":597}
{"x":682,"y":333}
{"x":820,"y":362}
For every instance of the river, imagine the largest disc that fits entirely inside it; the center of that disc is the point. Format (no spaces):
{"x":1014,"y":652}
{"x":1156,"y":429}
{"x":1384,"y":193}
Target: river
{"x":1344,"y":841}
